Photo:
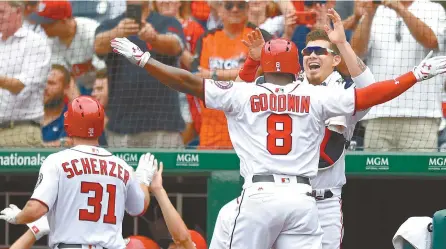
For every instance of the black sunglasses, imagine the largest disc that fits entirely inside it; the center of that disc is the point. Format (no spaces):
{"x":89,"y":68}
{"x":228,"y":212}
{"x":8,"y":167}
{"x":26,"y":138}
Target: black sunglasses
{"x":317,"y":51}
{"x":230,"y":5}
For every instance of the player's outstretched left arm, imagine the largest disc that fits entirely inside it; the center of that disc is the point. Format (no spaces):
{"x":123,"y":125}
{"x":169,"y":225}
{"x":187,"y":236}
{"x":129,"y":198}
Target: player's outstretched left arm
{"x":175,"y":78}
{"x":387,"y":90}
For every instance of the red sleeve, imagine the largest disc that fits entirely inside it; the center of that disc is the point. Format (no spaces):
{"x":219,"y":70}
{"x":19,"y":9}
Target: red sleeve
{"x":195,"y":111}
{"x":249,"y":70}
{"x":383,"y":91}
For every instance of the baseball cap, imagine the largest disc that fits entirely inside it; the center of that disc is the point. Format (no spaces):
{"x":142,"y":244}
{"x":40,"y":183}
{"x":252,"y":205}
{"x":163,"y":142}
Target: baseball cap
{"x":51,"y":11}
{"x":197,"y":239}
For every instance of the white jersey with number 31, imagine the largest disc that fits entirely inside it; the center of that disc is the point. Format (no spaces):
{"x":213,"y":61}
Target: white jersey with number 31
{"x":87,"y":190}
{"x":277,"y":129}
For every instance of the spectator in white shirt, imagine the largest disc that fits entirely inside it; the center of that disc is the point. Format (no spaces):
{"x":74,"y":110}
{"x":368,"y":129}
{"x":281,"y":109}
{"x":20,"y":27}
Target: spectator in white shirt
{"x":393,"y":36}
{"x":24,"y":67}
{"x":71,"y":41}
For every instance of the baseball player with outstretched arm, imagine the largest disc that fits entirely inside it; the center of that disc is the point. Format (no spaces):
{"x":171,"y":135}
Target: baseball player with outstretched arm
{"x":276,"y":129}
{"x":85,"y":190}
{"x":319,"y":63}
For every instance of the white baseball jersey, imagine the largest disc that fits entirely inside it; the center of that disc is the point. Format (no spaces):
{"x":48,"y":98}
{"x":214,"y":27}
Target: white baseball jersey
{"x":86,"y":190}
{"x":334,"y":177}
{"x":277,"y":129}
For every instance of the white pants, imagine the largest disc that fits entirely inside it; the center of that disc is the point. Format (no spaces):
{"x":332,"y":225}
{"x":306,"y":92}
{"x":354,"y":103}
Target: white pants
{"x":224,"y":224}
{"x":276,"y":214}
{"x":330,"y":219}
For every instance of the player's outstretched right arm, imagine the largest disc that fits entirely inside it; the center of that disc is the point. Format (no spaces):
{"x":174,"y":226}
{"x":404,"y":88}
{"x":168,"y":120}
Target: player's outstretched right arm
{"x":175,"y":78}
{"x":174,"y":222}
{"x":138,"y":197}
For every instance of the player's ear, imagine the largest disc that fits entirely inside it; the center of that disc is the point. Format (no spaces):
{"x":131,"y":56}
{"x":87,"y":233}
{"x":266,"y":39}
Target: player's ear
{"x":336,"y":60}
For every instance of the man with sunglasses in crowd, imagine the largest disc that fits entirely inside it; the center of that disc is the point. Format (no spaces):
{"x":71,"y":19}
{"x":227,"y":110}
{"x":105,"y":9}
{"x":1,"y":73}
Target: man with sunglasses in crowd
{"x":321,"y":55}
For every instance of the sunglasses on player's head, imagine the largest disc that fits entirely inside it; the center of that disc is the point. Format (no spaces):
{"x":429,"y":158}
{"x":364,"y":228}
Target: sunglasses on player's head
{"x":230,"y":5}
{"x":317,"y":51}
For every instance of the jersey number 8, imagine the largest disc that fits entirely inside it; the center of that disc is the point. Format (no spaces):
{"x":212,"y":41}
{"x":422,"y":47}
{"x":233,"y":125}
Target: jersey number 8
{"x":279,"y":140}
{"x":96,"y":202}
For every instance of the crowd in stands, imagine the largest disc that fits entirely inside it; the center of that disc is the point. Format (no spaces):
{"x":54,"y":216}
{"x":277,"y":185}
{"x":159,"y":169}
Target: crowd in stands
{"x":53,"y":51}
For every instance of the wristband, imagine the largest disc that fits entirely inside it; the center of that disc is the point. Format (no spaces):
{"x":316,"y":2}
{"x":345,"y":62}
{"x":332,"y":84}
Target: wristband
{"x":39,"y":227}
{"x":249,"y":70}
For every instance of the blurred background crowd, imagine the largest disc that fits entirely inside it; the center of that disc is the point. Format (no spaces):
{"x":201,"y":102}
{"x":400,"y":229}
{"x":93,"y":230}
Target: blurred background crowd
{"x":53,"y":51}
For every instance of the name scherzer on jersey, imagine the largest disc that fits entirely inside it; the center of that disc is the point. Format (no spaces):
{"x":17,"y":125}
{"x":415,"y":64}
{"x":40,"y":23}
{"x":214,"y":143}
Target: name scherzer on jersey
{"x":87,"y":190}
{"x":332,"y":175}
{"x":277,"y":129}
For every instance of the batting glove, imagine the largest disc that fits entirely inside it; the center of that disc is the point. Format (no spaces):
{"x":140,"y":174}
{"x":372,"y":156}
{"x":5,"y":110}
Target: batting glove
{"x":130,"y":51}
{"x":430,"y":67}
{"x":9,"y":214}
{"x":146,"y":169}
{"x":39,"y":227}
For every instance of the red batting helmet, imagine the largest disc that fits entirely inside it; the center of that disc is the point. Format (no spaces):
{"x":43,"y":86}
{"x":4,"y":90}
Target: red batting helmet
{"x":280,"y":56}
{"x":84,"y":118}
{"x":140,"y":242}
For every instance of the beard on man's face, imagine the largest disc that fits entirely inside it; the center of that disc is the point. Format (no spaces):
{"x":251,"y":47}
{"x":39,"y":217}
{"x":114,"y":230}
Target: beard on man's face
{"x":53,"y":103}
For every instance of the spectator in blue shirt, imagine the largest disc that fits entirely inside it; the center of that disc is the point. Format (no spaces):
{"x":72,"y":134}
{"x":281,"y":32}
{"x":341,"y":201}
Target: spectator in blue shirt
{"x":54,"y":107}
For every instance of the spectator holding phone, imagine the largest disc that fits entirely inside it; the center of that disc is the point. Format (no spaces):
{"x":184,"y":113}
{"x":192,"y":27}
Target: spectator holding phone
{"x":390,"y":29}
{"x":141,"y":111}
{"x":192,"y":31}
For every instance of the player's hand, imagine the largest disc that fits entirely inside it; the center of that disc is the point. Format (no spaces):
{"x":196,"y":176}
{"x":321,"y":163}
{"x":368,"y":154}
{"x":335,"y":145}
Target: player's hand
{"x":39,"y":227}
{"x":147,"y":167}
{"x":255,"y":43}
{"x":127,"y":27}
{"x":147,"y":33}
{"x":130,"y":51}
{"x":9,"y":214}
{"x":337,"y":34}
{"x":157,"y":183}
{"x":430,"y":67}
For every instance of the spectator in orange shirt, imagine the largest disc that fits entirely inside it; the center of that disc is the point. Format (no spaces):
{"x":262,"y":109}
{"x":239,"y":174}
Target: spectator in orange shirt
{"x":220,"y":54}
